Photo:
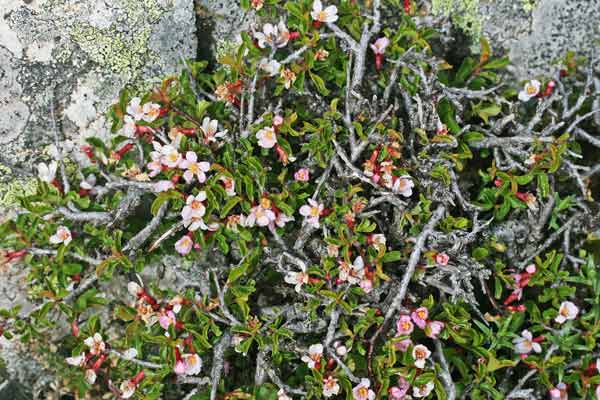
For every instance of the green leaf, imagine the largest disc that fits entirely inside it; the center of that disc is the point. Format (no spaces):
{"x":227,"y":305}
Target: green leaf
{"x":232,"y":202}
{"x":392,"y":256}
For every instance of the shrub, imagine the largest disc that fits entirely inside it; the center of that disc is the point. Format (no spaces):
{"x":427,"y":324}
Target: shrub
{"x":346,"y":216}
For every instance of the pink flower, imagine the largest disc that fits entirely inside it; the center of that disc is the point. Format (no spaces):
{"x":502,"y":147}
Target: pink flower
{"x":135,"y":108}
{"x":163,"y":186}
{"x":403,"y":345}
{"x":567,"y":311}
{"x":266,"y":137}
{"x":352,"y":273}
{"x":329,"y":14}
{"x":380,"y":44}
{"x":297,"y":278}
{"x":167,"y":319}
{"x":96,"y":344}
{"x":194,"y":168}
{"x":403,"y":185}
{"x":275,"y":36}
{"x":302,"y":175}
{"x":315,"y":352}
{"x":312,"y":212}
{"x":229,"y":184}
{"x":433,"y":329}
{"x":193,"y":364}
{"x":330,"y":386}
{"x":366,"y":285}
{"x":209,"y":128}
{"x":404,"y":325}
{"x":151,"y":112}
{"x":442,"y":258}
{"x":127,"y":388}
{"x":77,"y":361}
{"x":179,"y":368}
{"x":423,"y":390}
{"x":262,"y":214}
{"x":420,"y":353}
{"x":419,"y":317}
{"x":193,"y":211}
{"x":525,"y":344}
{"x":184,"y":245}
{"x":399,"y":392}
{"x":530,"y":90}
{"x":62,"y":235}
{"x":277,"y":120}
{"x":560,"y":392}
{"x":362,"y":391}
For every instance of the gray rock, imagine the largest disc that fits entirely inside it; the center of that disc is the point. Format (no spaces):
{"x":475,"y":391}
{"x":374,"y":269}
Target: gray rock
{"x":79,"y":53}
{"x":538,"y":33}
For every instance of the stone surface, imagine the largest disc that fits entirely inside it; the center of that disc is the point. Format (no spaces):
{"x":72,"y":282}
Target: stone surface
{"x":538,"y":33}
{"x":79,"y":53}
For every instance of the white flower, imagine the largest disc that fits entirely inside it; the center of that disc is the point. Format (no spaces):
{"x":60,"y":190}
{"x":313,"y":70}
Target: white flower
{"x":266,"y":137}
{"x":184,"y":245}
{"x":130,"y":353}
{"x":312,"y":212}
{"x":96,"y":344}
{"x":362,"y":391}
{"x":567,"y":311}
{"x":423,"y":390}
{"x":90,"y":376}
{"x":209,"y":128}
{"x":297,"y":278}
{"x":193,"y":364}
{"x":282,"y":219}
{"x":77,"y":361}
{"x":273,"y":35}
{"x":62,"y":235}
{"x":420,"y":353}
{"x":194,"y":168}
{"x":128,"y":128}
{"x":525,"y":344}
{"x":378,"y":240}
{"x":261,"y":215}
{"x":328,"y":14}
{"x":403,"y":185}
{"x":135,"y":109}
{"x":47,"y":173}
{"x":281,"y":395}
{"x":127,"y":388}
{"x":163,"y":186}
{"x":352,"y":273}
{"x":170,"y":156}
{"x":270,"y":67}
{"x":531,"y":89}
{"x":151,"y":112}
{"x":315,"y":352}
{"x":380,"y":45}
{"x":330,"y":386}
{"x":193,"y":212}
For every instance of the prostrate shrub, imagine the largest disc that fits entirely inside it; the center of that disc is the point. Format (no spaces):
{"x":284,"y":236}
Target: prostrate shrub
{"x":352,"y":218}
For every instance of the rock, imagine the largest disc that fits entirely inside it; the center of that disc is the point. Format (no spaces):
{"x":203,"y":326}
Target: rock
{"x":538,"y":33}
{"x":78,"y":54}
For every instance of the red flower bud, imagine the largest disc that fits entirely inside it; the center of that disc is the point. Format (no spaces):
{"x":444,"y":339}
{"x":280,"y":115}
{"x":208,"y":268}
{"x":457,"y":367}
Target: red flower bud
{"x":75,"y":328}
{"x":498,"y":182}
{"x":549,"y":89}
{"x":407,"y":6}
{"x":99,"y":361}
{"x":294,"y":35}
{"x":317,"y":24}
{"x":138,"y":377}
{"x":123,"y":150}
{"x":378,"y":61}
{"x":175,"y":179}
{"x":88,"y":152}
{"x":331,"y":364}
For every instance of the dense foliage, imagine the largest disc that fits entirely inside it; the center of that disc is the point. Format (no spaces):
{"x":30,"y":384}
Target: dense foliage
{"x":346,"y":214}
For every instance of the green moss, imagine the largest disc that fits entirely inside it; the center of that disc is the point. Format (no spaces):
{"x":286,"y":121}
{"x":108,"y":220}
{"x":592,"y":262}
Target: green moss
{"x":464,"y":13}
